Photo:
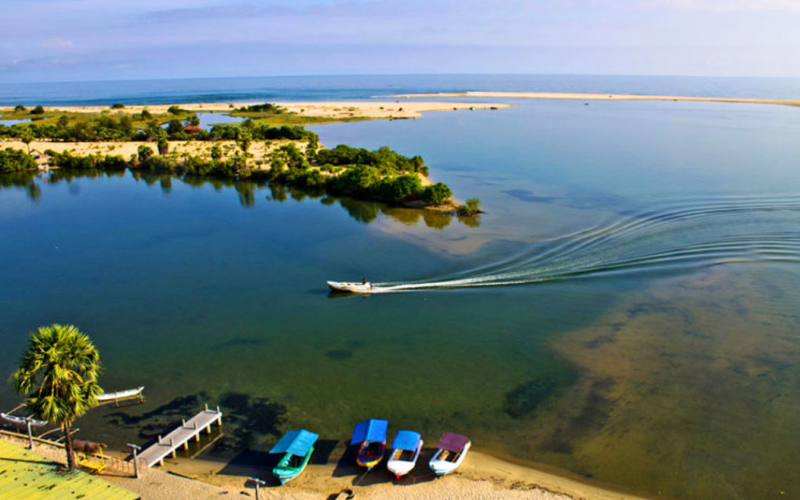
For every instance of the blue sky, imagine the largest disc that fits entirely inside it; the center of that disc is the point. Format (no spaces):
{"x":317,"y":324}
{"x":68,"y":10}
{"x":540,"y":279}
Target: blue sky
{"x":56,"y":40}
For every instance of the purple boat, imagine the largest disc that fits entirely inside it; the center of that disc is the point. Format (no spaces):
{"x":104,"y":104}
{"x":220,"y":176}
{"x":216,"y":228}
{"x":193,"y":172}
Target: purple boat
{"x":450,"y":452}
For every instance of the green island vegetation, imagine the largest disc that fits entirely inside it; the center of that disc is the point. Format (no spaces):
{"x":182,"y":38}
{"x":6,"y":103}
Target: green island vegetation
{"x":15,"y":160}
{"x":470,"y":208}
{"x":270,"y":114}
{"x":382,"y":175}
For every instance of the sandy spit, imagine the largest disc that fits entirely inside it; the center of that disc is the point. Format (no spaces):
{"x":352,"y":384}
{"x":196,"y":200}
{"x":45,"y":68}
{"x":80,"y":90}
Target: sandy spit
{"x":601,"y":97}
{"x":333,"y":110}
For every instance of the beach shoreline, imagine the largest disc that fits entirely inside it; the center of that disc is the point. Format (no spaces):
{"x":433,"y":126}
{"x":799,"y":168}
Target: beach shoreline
{"x":483,"y":475}
{"x":482,"y":470}
{"x":596,"y":97}
{"x":333,"y":110}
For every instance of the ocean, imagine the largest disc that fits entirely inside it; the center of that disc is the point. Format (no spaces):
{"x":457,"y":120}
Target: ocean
{"x":331,"y":88}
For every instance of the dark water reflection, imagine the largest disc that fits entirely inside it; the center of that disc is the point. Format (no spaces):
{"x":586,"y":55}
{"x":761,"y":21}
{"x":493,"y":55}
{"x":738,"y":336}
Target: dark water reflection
{"x":247,"y":191}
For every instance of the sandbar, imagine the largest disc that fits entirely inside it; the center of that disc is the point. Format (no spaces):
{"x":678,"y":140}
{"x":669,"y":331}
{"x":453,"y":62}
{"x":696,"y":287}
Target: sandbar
{"x":334,"y":110}
{"x":599,"y":97}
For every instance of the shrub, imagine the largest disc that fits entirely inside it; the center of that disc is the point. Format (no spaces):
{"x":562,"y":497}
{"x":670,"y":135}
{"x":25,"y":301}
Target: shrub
{"x":357,"y":180}
{"x":472,"y":207}
{"x":198,"y":166}
{"x":66,"y":161}
{"x":163,"y":146}
{"x":436,"y":194}
{"x":402,"y":188}
{"x":19,"y":108}
{"x":262,"y":108}
{"x":384,"y":159}
{"x":308,"y":178}
{"x":174,"y":110}
{"x":38,"y":110}
{"x":290,"y":156}
{"x":117,"y":105}
{"x":156,"y":163}
{"x":175,"y":127}
{"x":15,"y":160}
{"x":144,"y":153}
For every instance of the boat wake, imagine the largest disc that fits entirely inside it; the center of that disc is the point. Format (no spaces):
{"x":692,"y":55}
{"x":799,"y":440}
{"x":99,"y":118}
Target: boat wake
{"x":676,"y":237}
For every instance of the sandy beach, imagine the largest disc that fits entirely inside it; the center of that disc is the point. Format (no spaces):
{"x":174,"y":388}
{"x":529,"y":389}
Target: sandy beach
{"x":481,"y":477}
{"x":127,"y":148}
{"x":599,"y":97}
{"x":332,"y":110}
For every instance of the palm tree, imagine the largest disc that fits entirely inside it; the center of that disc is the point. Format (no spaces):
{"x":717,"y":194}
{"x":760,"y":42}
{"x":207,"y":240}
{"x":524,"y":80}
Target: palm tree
{"x":58,"y":374}
{"x":27,"y":137}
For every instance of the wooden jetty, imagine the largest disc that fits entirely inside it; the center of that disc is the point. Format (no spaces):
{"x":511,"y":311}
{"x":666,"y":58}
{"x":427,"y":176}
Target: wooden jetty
{"x":181,"y":436}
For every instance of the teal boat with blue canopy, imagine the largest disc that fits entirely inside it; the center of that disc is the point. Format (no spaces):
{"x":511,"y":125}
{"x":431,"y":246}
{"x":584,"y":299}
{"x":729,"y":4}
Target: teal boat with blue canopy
{"x":370,"y":435}
{"x":298,"y":447}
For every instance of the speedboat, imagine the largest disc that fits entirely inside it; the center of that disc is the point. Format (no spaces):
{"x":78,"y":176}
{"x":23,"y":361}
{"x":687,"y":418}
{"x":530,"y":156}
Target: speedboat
{"x":370,"y":436}
{"x":298,"y":447}
{"x":405,"y":451}
{"x":352,"y":287}
{"x":450,"y":452}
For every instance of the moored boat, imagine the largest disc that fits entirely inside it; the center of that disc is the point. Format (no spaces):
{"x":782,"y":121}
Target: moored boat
{"x":23,"y":420}
{"x":450,"y":452}
{"x":370,"y":435}
{"x":119,"y":395}
{"x":405,"y":452}
{"x":298,"y":446}
{"x":352,"y":287}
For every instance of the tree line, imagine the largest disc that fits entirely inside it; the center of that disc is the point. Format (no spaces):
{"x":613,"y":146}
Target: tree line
{"x":122,"y":127}
{"x":383,"y":175}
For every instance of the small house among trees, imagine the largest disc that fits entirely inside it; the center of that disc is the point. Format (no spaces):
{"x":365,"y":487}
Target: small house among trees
{"x":42,"y":159}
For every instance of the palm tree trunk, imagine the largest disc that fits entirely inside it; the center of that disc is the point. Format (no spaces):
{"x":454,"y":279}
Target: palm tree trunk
{"x":68,"y":446}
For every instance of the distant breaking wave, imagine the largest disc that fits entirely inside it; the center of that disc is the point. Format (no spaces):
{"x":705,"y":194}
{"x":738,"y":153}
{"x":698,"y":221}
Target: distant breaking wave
{"x":677,"y":237}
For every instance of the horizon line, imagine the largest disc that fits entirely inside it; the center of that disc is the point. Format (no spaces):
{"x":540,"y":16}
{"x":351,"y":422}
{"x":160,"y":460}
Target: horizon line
{"x":351,"y":75}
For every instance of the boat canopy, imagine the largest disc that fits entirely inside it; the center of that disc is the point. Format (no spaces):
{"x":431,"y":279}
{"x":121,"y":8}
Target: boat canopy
{"x":452,"y":442}
{"x":370,"y":430}
{"x":295,"y":442}
{"x":406,"y":440}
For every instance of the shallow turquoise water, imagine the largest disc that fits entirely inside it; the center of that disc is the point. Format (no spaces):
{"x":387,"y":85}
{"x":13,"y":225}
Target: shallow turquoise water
{"x":640,"y":326}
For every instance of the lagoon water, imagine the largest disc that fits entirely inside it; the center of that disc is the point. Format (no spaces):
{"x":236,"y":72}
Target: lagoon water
{"x":626,"y":309}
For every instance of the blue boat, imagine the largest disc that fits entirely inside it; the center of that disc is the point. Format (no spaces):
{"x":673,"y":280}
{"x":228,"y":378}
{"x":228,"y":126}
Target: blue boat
{"x":370,"y":435}
{"x":298,"y":447}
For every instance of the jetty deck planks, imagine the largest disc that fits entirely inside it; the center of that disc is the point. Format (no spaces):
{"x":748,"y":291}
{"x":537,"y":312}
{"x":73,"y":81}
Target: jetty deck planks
{"x":192,"y":428}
